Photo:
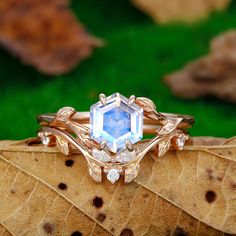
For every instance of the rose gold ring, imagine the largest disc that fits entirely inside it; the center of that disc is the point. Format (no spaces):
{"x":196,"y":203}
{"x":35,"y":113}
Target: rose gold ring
{"x":109,"y":136}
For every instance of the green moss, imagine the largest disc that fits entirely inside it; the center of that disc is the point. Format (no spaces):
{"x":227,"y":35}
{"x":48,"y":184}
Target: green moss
{"x":137,"y":55}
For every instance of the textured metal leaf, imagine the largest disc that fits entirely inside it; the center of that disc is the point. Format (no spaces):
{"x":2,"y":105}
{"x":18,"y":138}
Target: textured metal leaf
{"x":64,"y":113}
{"x":63,"y":145}
{"x":146,"y":104}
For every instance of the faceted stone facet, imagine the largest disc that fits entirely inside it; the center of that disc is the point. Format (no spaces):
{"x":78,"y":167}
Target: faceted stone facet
{"x":116,"y":122}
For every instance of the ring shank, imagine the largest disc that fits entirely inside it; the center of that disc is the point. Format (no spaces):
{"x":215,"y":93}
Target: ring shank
{"x":149,"y":127}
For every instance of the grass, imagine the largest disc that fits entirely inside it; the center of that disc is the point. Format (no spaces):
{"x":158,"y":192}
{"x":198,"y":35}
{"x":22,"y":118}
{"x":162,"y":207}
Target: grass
{"x":137,"y":55}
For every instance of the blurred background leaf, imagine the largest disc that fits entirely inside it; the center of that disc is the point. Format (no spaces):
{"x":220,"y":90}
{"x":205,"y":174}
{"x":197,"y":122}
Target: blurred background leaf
{"x":137,"y":55}
{"x":184,"y":11}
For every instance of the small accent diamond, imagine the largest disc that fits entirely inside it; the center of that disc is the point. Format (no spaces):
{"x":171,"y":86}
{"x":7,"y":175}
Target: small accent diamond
{"x":113,"y":175}
{"x":45,"y":139}
{"x":101,"y":155}
{"x":180,"y":141}
{"x":125,"y":156}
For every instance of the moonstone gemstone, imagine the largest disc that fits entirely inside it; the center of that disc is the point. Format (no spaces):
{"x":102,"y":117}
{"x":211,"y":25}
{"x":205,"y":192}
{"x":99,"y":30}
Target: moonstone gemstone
{"x":116,"y":122}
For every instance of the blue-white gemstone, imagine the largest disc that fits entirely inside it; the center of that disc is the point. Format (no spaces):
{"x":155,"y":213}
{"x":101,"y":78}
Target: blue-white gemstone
{"x":116,"y":122}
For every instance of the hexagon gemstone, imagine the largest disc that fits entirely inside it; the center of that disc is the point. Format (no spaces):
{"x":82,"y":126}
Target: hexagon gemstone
{"x":116,"y":122}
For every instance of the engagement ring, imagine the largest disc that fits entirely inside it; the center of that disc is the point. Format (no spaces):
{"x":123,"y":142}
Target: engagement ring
{"x":110,"y":137}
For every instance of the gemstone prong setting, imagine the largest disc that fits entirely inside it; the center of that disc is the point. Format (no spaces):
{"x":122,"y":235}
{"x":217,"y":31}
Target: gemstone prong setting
{"x":116,"y":122}
{"x":131,"y":101}
{"x":103,"y":144}
{"x":129,"y":145}
{"x":103,"y":98}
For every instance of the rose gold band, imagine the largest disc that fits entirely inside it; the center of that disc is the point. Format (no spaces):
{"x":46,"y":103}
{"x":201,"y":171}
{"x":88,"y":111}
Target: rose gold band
{"x":150,"y":125}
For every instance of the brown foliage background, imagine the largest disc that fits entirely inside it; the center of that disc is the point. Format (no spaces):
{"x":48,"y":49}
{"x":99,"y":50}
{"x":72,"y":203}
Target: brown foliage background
{"x":187,"y":192}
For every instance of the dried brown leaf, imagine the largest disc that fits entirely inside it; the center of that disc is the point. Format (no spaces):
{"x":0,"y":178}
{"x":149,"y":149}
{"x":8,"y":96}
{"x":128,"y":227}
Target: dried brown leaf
{"x":190,"y":192}
{"x":212,"y":75}
{"x":178,"y":10}
{"x":4,"y":231}
{"x":44,"y":34}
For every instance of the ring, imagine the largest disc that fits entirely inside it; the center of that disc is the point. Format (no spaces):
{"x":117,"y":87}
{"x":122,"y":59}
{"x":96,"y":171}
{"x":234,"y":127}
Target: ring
{"x":110,"y":135}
